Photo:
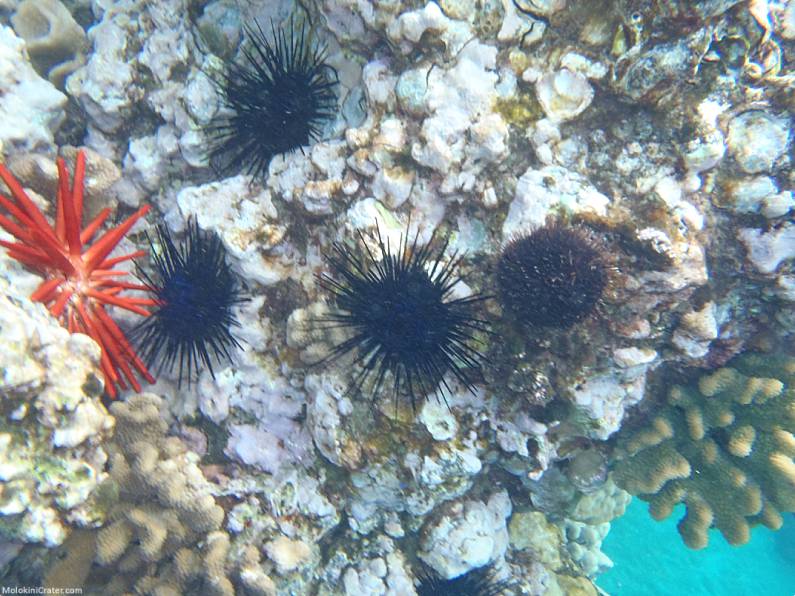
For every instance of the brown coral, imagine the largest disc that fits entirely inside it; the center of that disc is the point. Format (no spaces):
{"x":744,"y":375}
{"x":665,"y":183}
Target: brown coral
{"x":163,"y":533}
{"x":723,"y":447}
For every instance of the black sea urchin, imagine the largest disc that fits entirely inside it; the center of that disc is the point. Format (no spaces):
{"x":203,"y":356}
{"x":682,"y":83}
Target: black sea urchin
{"x":195,"y":291}
{"x":478,"y":582}
{"x":278,"y":99}
{"x":553,"y":276}
{"x":402,"y":316}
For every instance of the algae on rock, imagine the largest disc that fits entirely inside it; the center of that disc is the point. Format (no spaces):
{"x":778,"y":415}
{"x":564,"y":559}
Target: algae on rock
{"x":724,"y":447}
{"x":52,"y":427}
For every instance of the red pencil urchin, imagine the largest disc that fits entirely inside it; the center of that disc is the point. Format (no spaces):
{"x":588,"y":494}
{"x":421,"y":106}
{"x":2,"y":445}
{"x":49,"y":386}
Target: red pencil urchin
{"x":80,"y":280}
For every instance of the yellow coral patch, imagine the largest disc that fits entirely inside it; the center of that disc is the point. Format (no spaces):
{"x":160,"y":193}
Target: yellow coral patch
{"x":742,"y":441}
{"x":723,"y":446}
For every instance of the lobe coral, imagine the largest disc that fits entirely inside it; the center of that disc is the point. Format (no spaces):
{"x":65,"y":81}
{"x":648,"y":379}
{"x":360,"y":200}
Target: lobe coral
{"x":80,"y":280}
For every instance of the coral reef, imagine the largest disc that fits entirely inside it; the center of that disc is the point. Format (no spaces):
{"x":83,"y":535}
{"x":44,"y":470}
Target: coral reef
{"x":573,"y":540}
{"x":162,"y":533}
{"x":660,"y":129}
{"x":33,"y":108}
{"x":55,"y":42}
{"x":53,"y":426}
{"x":724,"y":447}
{"x":466,"y":535}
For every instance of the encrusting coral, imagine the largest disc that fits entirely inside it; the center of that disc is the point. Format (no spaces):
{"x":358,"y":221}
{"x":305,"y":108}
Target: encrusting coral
{"x":55,"y":42}
{"x":163,"y":534}
{"x":724,"y":447}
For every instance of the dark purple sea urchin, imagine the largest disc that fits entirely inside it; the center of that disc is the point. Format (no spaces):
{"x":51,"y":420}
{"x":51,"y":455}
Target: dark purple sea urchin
{"x":402,"y":317}
{"x":278,"y":99}
{"x":195,"y":291}
{"x":554,"y":276}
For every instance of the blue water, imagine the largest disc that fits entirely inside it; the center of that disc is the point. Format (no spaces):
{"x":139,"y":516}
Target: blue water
{"x":651,"y":560}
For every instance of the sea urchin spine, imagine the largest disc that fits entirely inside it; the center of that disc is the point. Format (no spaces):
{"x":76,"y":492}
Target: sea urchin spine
{"x":279,"y":99}
{"x":402,"y":316}
{"x":554,"y":276}
{"x":194,"y":291}
{"x":477,"y":582}
{"x":80,"y":280}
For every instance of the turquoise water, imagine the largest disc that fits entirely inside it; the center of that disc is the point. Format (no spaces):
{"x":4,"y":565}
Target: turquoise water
{"x":651,"y":560}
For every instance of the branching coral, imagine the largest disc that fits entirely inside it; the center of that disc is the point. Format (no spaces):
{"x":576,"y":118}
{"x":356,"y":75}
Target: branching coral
{"x":163,"y":534}
{"x":724,"y":447}
{"x":165,"y":509}
{"x":79,"y":280}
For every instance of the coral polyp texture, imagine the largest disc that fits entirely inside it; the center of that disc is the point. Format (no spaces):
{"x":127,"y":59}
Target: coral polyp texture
{"x":278,"y":99}
{"x":80,"y":279}
{"x":478,"y":582}
{"x":194,"y":294}
{"x":403,"y":319}
{"x":554,"y":276}
{"x":724,"y":447}
{"x":163,"y":530}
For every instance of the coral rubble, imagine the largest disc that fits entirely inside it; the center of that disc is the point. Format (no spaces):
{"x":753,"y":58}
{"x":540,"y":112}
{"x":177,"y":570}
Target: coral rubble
{"x":53,"y":427}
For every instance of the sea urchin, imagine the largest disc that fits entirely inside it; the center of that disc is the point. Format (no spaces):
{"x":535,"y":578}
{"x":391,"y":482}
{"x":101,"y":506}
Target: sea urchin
{"x":554,"y":276}
{"x":194,"y":293}
{"x":402,"y":316}
{"x":478,"y":582}
{"x":80,"y":280}
{"x":277,"y":100}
